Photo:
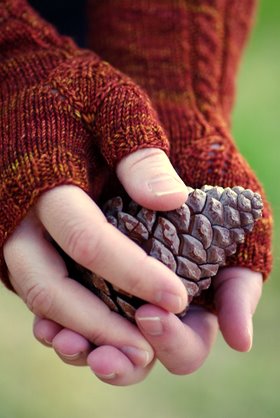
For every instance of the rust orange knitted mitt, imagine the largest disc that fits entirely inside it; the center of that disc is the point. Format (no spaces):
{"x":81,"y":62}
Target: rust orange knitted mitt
{"x":185,"y":53}
{"x":59,"y":105}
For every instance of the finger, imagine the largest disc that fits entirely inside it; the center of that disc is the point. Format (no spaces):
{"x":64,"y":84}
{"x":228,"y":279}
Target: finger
{"x":75,"y":350}
{"x":80,"y":228}
{"x":150,"y":179}
{"x":108,"y":363}
{"x":181,"y":345}
{"x":237,"y":293}
{"x":113,"y":367}
{"x":72,"y":347}
{"x":45,"y":330}
{"x":39,"y":276}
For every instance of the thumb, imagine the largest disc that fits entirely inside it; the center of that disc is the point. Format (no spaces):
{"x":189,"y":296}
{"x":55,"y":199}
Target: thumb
{"x":150,"y":179}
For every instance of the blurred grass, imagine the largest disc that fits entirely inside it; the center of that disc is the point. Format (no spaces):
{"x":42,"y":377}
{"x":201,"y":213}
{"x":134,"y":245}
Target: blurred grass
{"x":35,"y":384}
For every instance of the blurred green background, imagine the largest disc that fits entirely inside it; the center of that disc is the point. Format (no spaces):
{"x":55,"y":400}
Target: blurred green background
{"x":34,"y":383}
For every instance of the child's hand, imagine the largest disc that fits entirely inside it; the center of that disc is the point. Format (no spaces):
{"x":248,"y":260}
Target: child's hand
{"x":181,"y":345}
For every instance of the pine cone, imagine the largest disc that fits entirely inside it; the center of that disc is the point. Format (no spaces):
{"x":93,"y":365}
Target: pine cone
{"x":193,"y":241}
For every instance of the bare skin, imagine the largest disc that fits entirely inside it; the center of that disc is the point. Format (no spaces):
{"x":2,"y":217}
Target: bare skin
{"x":79,"y":327}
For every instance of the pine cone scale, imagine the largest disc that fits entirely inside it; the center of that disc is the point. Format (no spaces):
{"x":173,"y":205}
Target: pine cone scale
{"x":202,"y":230}
{"x":187,"y":268}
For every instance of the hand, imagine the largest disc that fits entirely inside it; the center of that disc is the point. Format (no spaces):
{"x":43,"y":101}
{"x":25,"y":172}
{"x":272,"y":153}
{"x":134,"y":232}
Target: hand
{"x":182,"y":346}
{"x":74,"y":221}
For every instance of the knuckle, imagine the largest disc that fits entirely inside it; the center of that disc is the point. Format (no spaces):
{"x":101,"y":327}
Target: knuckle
{"x":82,"y":246}
{"x":39,"y":300}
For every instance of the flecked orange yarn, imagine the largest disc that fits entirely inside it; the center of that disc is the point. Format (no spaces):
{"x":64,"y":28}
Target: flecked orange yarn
{"x":185,"y":53}
{"x":59,"y":105}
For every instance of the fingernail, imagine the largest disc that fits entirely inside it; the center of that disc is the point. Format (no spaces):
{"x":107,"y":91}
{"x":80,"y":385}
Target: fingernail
{"x":166,"y":185}
{"x":174,"y":302}
{"x":250,"y":334}
{"x":109,"y":376}
{"x":46,"y":342}
{"x":70,"y":357}
{"x":151,"y":325}
{"x":138,"y":356}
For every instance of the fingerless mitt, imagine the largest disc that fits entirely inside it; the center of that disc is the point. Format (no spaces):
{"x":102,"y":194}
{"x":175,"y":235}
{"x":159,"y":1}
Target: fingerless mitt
{"x":186,"y":53}
{"x":61,"y":108}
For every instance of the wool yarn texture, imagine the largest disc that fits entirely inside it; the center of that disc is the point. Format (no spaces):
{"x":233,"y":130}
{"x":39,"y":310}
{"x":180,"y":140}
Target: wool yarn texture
{"x":186,"y":55}
{"x":64,"y":113}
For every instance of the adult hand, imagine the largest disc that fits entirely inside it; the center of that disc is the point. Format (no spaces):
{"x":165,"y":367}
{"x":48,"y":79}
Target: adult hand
{"x":73,"y":220}
{"x":181,"y":345}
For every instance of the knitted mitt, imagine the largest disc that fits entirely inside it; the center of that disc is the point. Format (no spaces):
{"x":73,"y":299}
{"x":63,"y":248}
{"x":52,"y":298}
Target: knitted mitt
{"x":185,"y":53}
{"x":60,"y":109}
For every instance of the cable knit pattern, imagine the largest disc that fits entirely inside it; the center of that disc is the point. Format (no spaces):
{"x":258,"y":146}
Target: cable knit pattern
{"x":58,"y":104}
{"x":186,"y":53}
